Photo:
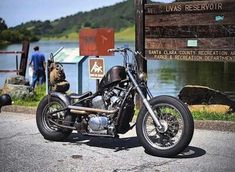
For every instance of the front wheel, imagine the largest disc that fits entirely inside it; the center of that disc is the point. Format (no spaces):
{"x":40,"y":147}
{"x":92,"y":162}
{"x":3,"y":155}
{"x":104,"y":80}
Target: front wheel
{"x":178,"y":125}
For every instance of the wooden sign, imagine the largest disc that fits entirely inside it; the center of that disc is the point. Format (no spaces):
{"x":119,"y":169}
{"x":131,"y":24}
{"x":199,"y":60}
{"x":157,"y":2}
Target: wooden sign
{"x":96,"y":68}
{"x":196,"y":30}
{"x":96,"y":42}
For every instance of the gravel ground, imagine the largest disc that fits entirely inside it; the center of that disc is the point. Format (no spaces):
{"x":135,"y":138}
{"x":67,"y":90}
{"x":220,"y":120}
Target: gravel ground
{"x":22,"y":148}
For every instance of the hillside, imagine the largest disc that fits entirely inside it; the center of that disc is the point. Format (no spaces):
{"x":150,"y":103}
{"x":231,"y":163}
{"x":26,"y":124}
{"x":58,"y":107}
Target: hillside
{"x":119,"y":16}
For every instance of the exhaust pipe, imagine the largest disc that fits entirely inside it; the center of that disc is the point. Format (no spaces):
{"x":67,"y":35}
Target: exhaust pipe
{"x":84,"y":110}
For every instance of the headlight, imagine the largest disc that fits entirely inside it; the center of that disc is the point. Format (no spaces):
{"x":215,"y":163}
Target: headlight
{"x":143,"y":76}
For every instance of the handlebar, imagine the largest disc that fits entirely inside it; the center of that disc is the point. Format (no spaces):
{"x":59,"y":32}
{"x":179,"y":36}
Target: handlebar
{"x":120,"y":50}
{"x":125,"y":50}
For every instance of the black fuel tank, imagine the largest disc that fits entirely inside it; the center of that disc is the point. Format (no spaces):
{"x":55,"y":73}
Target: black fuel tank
{"x":115,"y":74}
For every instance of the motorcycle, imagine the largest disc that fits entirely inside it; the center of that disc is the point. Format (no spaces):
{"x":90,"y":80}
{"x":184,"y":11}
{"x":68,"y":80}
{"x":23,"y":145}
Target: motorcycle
{"x":164,"y":124}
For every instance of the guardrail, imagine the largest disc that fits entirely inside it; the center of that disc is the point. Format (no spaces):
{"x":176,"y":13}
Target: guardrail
{"x":23,"y":61}
{"x":17,"y":63}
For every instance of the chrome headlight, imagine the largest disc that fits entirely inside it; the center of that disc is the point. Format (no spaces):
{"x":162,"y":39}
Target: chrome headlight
{"x":143,"y":76}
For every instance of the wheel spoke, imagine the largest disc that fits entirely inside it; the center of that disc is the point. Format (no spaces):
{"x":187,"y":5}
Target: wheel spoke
{"x":172,"y":119}
{"x":154,"y":129}
{"x":50,"y":108}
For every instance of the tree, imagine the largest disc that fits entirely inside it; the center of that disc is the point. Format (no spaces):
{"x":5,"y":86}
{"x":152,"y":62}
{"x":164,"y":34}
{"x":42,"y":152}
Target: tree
{"x":3,"y":25}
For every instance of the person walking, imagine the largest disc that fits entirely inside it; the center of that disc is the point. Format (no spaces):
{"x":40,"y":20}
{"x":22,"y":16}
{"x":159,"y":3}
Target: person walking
{"x":38,"y":65}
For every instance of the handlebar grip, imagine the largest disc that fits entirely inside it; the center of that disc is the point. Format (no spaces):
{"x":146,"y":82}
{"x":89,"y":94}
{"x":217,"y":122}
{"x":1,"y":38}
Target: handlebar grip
{"x":118,"y":50}
{"x":111,"y":50}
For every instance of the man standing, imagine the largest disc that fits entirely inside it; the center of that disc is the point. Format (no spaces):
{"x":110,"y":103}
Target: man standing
{"x":38,"y":65}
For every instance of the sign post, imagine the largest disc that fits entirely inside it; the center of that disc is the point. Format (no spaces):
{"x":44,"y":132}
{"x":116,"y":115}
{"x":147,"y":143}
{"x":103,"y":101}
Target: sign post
{"x":140,"y":38}
{"x":139,"y":33}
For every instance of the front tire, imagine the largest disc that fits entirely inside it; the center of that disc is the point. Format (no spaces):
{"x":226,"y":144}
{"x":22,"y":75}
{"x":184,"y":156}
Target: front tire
{"x":177,"y":120}
{"x":44,"y":121}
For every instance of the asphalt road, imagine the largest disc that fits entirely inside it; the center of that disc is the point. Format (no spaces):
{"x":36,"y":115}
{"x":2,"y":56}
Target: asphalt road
{"x":22,"y":148}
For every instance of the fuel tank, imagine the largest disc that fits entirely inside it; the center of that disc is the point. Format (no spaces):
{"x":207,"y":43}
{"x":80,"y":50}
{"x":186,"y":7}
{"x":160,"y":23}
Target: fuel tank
{"x":114,"y":75}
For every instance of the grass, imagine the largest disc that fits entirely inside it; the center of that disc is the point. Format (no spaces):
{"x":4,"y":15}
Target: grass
{"x":200,"y":115}
{"x":127,"y":34}
{"x":71,"y":36}
{"x":40,"y":92}
{"x":204,"y":114}
{"x":212,"y":112}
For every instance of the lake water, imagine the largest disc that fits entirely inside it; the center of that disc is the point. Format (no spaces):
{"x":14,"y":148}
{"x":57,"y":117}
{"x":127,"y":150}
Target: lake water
{"x":164,"y":77}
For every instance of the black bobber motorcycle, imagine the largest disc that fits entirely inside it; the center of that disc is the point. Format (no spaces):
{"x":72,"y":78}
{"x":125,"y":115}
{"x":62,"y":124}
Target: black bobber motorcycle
{"x":164,"y":124}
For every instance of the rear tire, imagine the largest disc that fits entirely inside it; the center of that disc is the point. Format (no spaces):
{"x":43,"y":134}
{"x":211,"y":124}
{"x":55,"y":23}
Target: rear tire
{"x":49,"y":130}
{"x":176,"y":118}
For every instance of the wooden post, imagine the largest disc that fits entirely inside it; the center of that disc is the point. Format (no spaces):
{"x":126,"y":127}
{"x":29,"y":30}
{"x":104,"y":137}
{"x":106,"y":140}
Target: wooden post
{"x":140,"y":39}
{"x":17,"y":65}
{"x":140,"y":33}
{"x":24,"y":58}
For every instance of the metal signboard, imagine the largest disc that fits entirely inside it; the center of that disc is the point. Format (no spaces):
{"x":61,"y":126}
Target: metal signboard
{"x":96,"y":42}
{"x":96,"y":68}
{"x":195,"y":30}
{"x":68,"y":55}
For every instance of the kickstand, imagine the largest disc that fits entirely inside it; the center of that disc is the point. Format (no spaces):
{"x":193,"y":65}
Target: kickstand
{"x":131,"y":127}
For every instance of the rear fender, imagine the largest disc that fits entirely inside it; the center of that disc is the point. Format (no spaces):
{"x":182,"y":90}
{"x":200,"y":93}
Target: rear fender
{"x":63,"y":97}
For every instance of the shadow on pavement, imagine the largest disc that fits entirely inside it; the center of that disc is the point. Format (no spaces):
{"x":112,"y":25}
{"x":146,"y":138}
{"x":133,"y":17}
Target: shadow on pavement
{"x":117,"y":144}
{"x":191,"y":152}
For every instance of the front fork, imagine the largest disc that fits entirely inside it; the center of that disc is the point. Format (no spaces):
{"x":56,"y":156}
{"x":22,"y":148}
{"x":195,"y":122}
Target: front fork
{"x":145,"y":101}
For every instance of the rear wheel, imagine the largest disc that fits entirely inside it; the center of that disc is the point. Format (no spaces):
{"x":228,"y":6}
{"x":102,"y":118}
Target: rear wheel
{"x":177,"y":122}
{"x":46,"y":122}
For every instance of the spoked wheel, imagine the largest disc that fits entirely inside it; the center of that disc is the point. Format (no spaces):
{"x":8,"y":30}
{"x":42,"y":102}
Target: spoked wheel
{"x":177,"y":124}
{"x":48,"y":123}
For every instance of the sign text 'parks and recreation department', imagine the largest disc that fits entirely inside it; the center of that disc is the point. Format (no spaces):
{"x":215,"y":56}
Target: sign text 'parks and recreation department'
{"x":196,"y":31}
{"x":192,"y":55}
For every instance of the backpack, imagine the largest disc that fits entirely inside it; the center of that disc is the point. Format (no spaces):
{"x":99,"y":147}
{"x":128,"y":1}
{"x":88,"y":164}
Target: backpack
{"x":57,"y":78}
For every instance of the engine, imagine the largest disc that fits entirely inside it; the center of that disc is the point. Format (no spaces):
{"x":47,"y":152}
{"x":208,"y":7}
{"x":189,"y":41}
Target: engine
{"x":98,"y":123}
{"x":110,"y":100}
{"x":113,"y":99}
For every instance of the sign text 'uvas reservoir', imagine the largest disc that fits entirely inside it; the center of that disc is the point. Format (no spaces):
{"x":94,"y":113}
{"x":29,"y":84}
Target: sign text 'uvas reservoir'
{"x":187,"y":7}
{"x":195,"y":7}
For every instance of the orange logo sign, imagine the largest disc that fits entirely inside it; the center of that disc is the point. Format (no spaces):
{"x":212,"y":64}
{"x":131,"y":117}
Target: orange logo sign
{"x":96,"y":42}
